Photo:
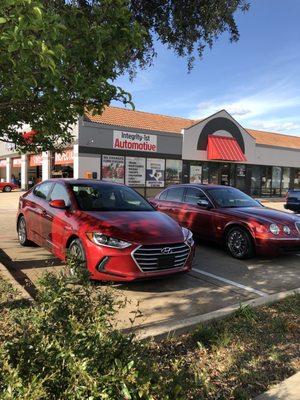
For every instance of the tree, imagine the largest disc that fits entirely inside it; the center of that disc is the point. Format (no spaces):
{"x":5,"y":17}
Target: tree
{"x":61,"y":57}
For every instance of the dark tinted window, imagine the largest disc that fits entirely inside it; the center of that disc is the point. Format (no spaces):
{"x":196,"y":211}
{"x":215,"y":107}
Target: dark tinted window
{"x":231,"y":197}
{"x":108,"y":197}
{"x":175,"y":194}
{"x":163,"y":195}
{"x":43,"y":190}
{"x":59,"y":192}
{"x":193,"y":195}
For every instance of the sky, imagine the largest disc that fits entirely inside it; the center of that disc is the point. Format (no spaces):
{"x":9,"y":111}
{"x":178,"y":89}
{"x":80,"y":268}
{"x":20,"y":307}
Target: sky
{"x":257,"y":79}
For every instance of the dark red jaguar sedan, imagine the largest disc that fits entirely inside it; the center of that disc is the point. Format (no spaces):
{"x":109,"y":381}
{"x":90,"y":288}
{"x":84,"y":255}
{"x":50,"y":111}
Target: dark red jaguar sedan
{"x":112,"y":228}
{"x":226,"y":215}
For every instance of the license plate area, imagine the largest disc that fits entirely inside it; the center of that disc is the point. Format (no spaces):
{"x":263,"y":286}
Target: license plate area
{"x":166,"y":261}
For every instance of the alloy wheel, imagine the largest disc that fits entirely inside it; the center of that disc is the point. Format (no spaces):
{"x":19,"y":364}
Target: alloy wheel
{"x":237,"y":243}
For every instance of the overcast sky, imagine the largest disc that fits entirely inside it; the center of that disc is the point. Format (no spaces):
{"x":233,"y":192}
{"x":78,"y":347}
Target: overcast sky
{"x":256,"y":79}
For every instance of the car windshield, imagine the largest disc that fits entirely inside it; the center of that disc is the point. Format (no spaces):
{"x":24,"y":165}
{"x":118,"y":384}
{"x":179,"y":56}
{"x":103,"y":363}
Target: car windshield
{"x":230,"y":198}
{"x":109,"y":197}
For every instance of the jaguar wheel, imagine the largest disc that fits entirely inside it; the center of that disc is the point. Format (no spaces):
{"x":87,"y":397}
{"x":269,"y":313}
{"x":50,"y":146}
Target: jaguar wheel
{"x":22,"y":233}
{"x":7,"y":189}
{"x":239,"y":243}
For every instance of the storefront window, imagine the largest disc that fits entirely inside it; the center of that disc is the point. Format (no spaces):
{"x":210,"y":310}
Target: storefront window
{"x":255,"y":180}
{"x":213,"y":177}
{"x":135,"y":171}
{"x":173,"y":171}
{"x":297,"y":179}
{"x":155,"y":172}
{"x":205,"y":173}
{"x":286,"y":177}
{"x":240,"y":178}
{"x":195,"y":173}
{"x":276,"y":180}
{"x":266,"y":180}
{"x":112,"y":168}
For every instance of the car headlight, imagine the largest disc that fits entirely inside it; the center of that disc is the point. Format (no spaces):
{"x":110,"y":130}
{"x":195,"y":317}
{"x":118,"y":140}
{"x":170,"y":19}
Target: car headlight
{"x":286,"y":230}
{"x":188,"y":236}
{"x":103,"y":240}
{"x":274,"y":228}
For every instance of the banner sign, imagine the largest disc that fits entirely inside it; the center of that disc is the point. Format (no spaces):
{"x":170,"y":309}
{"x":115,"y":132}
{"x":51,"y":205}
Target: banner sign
{"x":134,"y":141}
{"x":35,"y":160}
{"x":112,"y":168}
{"x":16,"y":162}
{"x":155,"y":172}
{"x":195,"y":173}
{"x":135,"y":171}
{"x":66,"y":157}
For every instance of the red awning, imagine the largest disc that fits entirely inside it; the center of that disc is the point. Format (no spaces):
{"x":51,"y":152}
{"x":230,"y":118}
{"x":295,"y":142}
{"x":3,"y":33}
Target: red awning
{"x":224,"y":148}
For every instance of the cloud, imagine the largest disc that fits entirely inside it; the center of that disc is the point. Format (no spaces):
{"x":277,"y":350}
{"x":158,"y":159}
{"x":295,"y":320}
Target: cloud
{"x":279,"y":125}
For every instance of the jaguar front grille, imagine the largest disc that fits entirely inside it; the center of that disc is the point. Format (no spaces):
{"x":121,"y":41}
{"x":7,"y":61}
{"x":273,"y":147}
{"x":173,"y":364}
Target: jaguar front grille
{"x":151,"y":258}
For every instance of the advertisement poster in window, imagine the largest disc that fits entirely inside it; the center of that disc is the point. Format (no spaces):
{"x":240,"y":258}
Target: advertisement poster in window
{"x":155,"y":172}
{"x":135,"y":171}
{"x":195,"y":173}
{"x":173,"y":171}
{"x":241,"y":170}
{"x":113,"y":168}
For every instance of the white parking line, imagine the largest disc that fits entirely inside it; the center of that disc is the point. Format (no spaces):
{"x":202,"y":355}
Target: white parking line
{"x":219,"y":278}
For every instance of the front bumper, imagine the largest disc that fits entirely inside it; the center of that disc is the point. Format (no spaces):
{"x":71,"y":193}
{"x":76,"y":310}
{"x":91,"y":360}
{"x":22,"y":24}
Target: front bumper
{"x":277,"y":245}
{"x":108,"y":264}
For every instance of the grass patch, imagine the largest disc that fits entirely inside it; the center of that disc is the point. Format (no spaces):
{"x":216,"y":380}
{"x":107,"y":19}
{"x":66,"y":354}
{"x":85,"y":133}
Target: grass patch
{"x":65,"y":345}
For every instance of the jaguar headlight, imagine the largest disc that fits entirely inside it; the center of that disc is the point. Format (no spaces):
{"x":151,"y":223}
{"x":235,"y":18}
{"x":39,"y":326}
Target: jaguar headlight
{"x":286,"y":230}
{"x":188,"y":236}
{"x":104,"y":240}
{"x":274,"y":228}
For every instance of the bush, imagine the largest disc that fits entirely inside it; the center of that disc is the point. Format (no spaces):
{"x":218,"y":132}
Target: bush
{"x":66,"y":346}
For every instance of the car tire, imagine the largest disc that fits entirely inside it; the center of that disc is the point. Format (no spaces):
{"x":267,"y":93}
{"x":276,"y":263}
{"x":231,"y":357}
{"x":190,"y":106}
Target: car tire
{"x":239,"y":243}
{"x":22,"y":232}
{"x":76,"y":250}
{"x":7,"y":189}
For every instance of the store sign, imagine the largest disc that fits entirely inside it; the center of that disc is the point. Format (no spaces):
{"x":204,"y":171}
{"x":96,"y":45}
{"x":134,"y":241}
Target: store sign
{"x":64,"y":158}
{"x":134,"y":141}
{"x":135,"y":171}
{"x":195,"y":173}
{"x":2,"y":163}
{"x":112,"y":168}
{"x":155,"y":172}
{"x":16,"y":162}
{"x":35,"y":160}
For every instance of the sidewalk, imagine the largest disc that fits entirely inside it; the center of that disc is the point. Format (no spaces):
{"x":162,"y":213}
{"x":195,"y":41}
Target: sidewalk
{"x":286,"y":390}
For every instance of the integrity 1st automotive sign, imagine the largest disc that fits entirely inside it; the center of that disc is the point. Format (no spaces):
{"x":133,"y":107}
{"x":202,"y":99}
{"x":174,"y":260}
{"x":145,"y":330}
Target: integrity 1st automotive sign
{"x":134,"y":141}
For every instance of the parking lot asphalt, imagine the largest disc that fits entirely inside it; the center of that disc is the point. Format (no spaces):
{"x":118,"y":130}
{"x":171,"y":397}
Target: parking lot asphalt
{"x":216,"y":281}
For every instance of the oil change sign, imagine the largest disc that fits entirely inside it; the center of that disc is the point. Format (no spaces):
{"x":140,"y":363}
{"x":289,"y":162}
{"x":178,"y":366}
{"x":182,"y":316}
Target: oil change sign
{"x":134,"y":141}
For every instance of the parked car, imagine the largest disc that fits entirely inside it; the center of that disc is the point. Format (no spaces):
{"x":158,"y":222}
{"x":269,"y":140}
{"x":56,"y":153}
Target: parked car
{"x":293,"y":200}
{"x":110,"y":227}
{"x":230,"y":217}
{"x":8,"y":186}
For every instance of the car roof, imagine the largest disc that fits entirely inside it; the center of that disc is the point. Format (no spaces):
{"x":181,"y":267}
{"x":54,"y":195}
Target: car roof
{"x":80,"y":181}
{"x":201,"y":186}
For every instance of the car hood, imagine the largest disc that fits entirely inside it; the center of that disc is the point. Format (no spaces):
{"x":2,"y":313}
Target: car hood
{"x":143,"y":227}
{"x":262,"y":214}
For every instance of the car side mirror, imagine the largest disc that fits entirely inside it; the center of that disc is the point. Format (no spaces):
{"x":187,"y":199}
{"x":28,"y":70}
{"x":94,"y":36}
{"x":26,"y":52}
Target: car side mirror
{"x":203,"y":203}
{"x":58,"y":204}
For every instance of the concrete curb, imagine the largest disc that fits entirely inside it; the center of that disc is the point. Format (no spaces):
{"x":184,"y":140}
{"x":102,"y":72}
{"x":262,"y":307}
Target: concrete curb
{"x":8,"y":276}
{"x":289,"y":389}
{"x":169,"y":328}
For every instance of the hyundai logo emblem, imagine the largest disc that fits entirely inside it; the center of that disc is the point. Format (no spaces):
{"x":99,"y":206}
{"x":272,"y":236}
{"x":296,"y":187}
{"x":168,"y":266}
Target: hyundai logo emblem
{"x":166,"y":250}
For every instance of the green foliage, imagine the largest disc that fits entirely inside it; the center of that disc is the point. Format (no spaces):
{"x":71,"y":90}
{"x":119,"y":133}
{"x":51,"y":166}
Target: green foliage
{"x":60,"y":57}
{"x":213,"y":335}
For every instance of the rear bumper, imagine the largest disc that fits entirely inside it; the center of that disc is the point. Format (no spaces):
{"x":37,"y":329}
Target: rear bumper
{"x":277,"y":246}
{"x":107,"y":264}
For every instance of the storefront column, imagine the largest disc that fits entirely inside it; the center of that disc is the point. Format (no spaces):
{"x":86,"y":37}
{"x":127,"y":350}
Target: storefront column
{"x":76,"y":161}
{"x":24,"y":172}
{"x":8,"y":169}
{"x":46,"y":165}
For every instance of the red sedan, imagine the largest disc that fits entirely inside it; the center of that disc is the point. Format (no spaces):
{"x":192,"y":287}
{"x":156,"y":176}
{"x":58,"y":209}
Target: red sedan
{"x":226,"y":215}
{"x":7,"y":186}
{"x":112,"y":228}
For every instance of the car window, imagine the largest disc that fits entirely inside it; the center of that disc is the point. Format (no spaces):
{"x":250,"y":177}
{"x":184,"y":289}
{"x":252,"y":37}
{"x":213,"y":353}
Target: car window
{"x":108,"y":197}
{"x":231,"y":197}
{"x":175,"y":194}
{"x":59,"y":192}
{"x":193,"y":195}
{"x":163,"y":195}
{"x":42,"y":190}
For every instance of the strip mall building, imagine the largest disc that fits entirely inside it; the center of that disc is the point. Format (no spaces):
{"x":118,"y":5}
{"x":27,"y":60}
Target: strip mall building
{"x":151,"y":151}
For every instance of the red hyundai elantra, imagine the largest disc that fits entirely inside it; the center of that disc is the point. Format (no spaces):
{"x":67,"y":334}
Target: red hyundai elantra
{"x":230,"y":217}
{"x":112,"y":228}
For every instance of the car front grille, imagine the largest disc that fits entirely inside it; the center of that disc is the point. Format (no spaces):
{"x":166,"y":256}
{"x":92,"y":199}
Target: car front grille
{"x":298,"y":226}
{"x":155,"y":258}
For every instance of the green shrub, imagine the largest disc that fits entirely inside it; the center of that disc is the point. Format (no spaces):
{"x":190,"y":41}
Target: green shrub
{"x":66,"y":346}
